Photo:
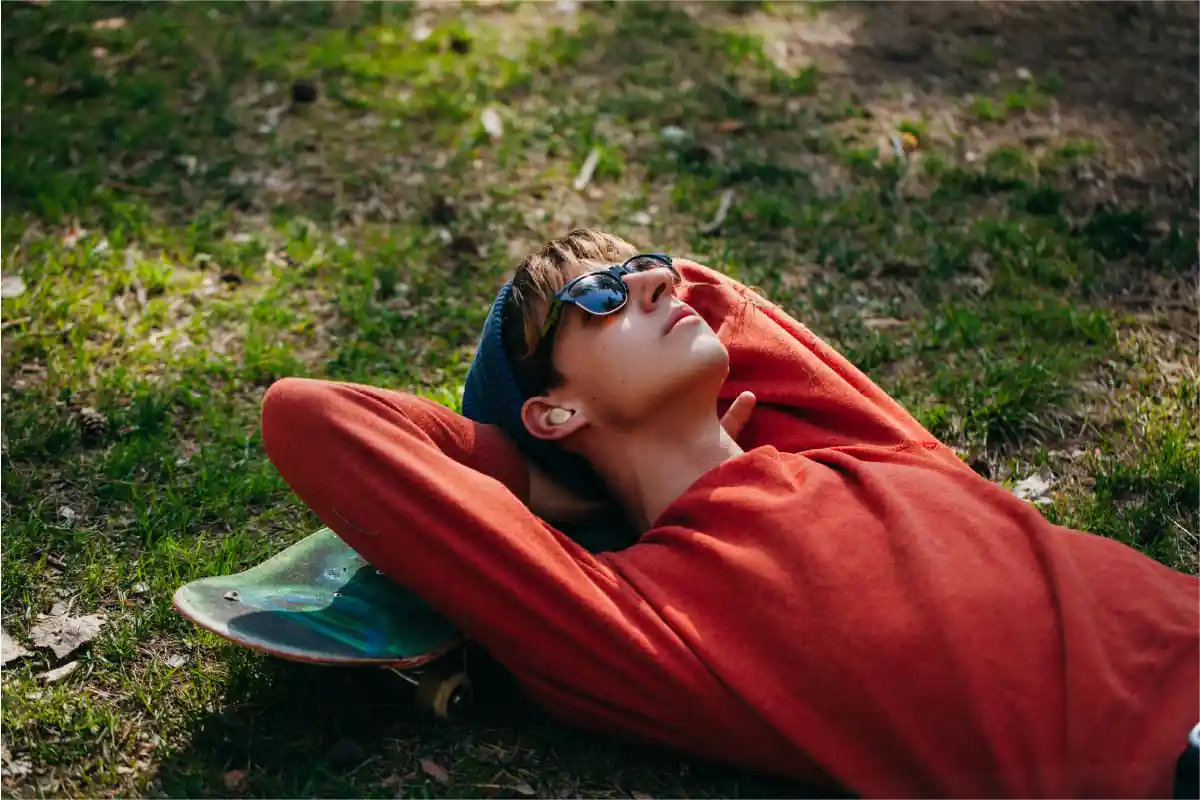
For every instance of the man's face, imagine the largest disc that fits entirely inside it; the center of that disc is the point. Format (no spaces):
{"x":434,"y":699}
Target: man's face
{"x":624,"y":368}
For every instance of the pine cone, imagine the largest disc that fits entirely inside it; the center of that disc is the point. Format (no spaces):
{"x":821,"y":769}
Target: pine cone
{"x":92,"y":424}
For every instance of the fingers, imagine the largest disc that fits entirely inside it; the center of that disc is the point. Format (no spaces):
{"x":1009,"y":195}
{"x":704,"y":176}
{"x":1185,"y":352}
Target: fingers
{"x":738,"y":414}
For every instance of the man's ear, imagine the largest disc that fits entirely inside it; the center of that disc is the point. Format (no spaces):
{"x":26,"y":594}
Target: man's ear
{"x":545,"y":419}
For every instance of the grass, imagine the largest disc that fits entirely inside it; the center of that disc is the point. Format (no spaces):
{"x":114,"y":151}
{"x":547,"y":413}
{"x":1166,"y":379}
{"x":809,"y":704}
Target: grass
{"x":187,"y":235}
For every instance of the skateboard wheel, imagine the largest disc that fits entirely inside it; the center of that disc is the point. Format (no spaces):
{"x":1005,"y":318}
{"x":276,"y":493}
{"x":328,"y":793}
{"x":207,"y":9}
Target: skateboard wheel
{"x":446,"y":696}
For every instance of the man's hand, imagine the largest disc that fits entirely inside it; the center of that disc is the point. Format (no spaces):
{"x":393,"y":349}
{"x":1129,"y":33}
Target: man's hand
{"x":738,"y":414}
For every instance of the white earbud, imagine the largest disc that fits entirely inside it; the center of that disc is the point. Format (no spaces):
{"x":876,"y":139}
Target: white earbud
{"x":558,"y":416}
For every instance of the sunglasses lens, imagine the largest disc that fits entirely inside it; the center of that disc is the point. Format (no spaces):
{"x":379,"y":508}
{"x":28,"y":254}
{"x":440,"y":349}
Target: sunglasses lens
{"x":650,"y":261}
{"x":602,"y":293}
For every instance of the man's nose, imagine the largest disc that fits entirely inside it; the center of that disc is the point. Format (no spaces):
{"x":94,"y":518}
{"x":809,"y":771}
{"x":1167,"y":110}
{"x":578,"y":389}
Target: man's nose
{"x":650,"y":288}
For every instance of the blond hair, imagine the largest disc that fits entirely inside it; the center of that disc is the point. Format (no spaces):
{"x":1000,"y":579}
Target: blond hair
{"x":539,"y":277}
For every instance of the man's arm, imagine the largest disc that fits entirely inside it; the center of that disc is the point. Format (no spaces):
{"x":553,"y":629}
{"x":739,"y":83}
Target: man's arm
{"x":809,"y":395}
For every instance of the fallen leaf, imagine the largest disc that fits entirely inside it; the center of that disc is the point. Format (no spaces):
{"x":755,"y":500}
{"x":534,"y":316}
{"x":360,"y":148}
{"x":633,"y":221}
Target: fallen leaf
{"x":234,"y":779}
{"x":1033,"y":489}
{"x":490,"y":119}
{"x":525,"y":789}
{"x":434,"y":770}
{"x":9,"y":649}
{"x":730,"y":125}
{"x":55,"y":675}
{"x":11,"y":286}
{"x":884,"y":323}
{"x":65,"y":634}
{"x":110,"y":24}
{"x":176,"y":661}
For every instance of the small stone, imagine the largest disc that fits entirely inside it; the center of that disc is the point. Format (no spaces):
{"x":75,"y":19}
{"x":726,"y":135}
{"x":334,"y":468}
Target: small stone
{"x":11,"y":286}
{"x":304,"y":91}
{"x":673,"y":134}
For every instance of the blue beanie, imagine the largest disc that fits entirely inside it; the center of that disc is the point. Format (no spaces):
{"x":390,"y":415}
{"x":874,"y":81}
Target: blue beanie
{"x":492,"y":396}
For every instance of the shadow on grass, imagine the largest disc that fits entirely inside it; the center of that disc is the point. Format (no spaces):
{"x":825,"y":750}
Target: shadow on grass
{"x":162,"y":115}
{"x":293,"y":729}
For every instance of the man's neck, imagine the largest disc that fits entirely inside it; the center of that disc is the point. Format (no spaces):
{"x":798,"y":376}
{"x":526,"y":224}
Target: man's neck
{"x":648,"y":469}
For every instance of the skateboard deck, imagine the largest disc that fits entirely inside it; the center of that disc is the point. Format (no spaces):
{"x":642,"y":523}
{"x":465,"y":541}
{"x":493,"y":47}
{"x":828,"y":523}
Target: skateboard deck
{"x":320,"y":602}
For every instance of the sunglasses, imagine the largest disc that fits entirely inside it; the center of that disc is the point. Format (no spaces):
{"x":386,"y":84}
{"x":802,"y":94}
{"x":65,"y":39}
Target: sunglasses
{"x":604,"y":291}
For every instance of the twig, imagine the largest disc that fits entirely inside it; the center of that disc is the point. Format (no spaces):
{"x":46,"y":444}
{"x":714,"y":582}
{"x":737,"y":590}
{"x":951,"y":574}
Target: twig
{"x":589,"y":166}
{"x":722,"y":212}
{"x":131,"y":188}
{"x":14,"y":322}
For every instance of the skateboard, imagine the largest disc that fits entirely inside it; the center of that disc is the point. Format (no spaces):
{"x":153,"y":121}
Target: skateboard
{"x":320,"y":602}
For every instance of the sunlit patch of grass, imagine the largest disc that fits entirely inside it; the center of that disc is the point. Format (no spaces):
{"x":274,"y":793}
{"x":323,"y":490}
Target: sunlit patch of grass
{"x":188,"y":234}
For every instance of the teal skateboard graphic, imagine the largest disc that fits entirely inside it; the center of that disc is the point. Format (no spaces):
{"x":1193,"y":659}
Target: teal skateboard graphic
{"x":320,"y":602}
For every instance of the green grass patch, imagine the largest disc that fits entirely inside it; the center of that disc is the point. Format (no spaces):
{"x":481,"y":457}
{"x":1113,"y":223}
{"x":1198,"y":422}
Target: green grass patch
{"x":188,"y":232}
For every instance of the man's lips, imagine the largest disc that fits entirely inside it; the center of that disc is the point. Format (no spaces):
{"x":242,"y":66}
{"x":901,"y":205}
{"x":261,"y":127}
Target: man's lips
{"x":680,"y":313}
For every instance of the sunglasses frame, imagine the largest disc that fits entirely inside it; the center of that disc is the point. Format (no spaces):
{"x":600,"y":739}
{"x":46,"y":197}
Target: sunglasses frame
{"x":562,"y":298}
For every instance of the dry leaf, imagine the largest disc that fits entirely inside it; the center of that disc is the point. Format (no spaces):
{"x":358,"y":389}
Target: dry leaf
{"x":9,"y":649}
{"x":525,"y":789}
{"x":11,"y":286}
{"x":434,"y":770}
{"x":1033,"y":489}
{"x":110,"y":24}
{"x":55,"y":675}
{"x":884,"y":323}
{"x":176,"y":661}
{"x":492,"y":123}
{"x":234,"y":780}
{"x":65,"y":634}
{"x":730,"y":125}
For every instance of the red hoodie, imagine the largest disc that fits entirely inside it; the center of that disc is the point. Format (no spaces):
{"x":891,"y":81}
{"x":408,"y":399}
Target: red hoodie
{"x":845,"y":604}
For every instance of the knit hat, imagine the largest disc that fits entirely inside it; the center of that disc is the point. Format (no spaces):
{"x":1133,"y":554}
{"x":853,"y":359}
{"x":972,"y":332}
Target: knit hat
{"x":492,"y":396}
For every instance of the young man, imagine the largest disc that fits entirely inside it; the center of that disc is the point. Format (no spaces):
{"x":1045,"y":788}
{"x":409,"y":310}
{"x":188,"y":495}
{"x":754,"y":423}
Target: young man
{"x":828,"y":595}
